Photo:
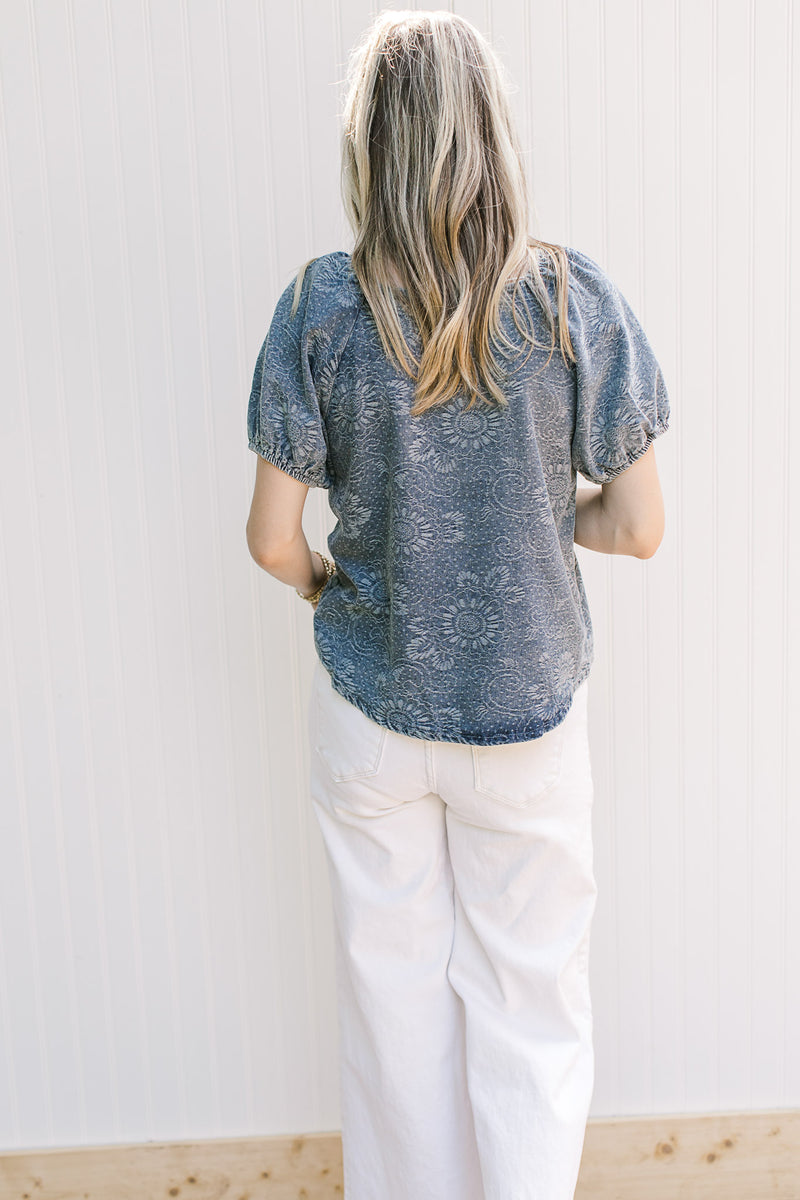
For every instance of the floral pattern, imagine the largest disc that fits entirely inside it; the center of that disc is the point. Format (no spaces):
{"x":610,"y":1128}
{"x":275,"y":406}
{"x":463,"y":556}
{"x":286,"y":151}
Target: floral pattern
{"x":457,"y":611}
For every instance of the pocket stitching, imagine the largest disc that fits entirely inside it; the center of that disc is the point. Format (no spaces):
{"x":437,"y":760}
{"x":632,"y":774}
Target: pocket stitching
{"x":335,"y":774}
{"x":556,"y":770}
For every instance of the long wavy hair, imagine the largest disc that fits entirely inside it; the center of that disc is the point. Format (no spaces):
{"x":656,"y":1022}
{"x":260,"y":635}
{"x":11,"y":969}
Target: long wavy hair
{"x":434,"y":188}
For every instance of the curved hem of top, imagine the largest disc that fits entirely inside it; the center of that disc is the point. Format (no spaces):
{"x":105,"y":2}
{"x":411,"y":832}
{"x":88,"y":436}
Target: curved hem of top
{"x":499,"y":739}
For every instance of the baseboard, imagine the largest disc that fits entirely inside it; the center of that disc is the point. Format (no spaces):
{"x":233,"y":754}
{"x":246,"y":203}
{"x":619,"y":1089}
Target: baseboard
{"x":727,"y":1156}
{"x":724,"y":1156}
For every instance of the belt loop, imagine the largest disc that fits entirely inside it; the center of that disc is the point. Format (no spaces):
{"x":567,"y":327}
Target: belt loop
{"x":430,"y":768}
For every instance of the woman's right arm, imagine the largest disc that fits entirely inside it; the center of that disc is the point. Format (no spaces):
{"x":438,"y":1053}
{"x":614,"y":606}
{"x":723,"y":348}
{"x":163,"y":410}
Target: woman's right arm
{"x":624,"y":515}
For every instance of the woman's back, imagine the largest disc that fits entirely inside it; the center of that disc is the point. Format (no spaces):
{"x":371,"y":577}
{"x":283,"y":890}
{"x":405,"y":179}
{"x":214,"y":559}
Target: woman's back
{"x":457,"y":611}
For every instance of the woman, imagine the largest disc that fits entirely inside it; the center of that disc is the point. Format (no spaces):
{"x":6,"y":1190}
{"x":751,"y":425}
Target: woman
{"x":445,"y":381}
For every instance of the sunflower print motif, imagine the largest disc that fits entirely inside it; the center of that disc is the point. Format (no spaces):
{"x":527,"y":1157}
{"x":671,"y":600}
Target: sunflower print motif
{"x":457,"y":611}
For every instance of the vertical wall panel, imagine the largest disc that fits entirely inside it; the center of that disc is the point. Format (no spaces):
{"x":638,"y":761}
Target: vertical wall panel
{"x":166,"y":952}
{"x":769,"y":475}
{"x":734,"y":419}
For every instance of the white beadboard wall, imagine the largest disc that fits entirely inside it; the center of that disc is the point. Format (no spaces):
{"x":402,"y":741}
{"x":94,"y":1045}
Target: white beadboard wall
{"x":166,"y":964}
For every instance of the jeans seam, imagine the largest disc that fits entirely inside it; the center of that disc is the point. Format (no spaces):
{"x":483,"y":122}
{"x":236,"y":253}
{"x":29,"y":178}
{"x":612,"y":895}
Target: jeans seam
{"x":430,"y":767}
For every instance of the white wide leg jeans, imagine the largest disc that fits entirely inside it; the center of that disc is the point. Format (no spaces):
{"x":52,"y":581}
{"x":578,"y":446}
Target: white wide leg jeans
{"x":463,"y":895}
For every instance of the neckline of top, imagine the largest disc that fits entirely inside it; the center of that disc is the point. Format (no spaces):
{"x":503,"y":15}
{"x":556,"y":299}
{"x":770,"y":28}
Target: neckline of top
{"x":544,"y":266}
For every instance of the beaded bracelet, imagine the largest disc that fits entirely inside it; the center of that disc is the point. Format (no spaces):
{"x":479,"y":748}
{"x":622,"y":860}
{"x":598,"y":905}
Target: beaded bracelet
{"x":330,"y":567}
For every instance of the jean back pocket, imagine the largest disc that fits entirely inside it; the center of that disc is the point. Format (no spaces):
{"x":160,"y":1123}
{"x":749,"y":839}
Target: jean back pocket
{"x":348,"y":741}
{"x":520,"y":773}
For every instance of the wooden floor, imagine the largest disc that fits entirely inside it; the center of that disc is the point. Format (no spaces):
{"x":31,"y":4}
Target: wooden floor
{"x":727,"y":1156}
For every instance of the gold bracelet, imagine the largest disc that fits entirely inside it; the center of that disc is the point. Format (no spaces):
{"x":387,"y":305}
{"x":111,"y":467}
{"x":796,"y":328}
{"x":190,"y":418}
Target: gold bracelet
{"x":330,"y":568}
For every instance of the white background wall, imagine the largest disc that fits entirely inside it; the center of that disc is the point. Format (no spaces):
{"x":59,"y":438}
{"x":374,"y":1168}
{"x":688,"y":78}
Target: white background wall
{"x":166,"y":951}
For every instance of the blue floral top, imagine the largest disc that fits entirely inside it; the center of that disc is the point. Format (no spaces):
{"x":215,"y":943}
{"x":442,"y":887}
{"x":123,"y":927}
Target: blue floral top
{"x":457,"y":611}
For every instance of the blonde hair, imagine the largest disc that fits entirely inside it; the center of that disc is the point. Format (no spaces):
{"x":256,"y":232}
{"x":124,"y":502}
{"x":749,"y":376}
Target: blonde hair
{"x":434,"y":188}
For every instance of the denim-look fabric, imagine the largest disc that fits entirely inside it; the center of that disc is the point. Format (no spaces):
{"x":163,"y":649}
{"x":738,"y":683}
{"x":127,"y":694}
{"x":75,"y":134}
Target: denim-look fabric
{"x":457,"y":611}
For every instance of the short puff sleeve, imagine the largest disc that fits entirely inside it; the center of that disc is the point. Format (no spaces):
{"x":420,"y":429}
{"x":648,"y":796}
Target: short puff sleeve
{"x":295,"y":371}
{"x":622,"y":402}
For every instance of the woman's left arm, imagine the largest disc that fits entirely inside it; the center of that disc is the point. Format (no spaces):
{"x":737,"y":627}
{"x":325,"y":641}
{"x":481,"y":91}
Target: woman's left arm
{"x":274,"y":530}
